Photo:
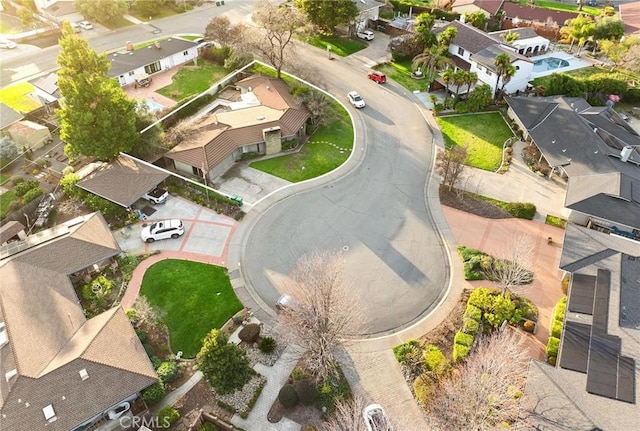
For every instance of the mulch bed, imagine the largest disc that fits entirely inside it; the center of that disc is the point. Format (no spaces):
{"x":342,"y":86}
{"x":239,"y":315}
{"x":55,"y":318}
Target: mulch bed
{"x":459,"y":200}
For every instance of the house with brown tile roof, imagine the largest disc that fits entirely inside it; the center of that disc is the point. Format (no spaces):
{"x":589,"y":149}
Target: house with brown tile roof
{"x":62,"y":371}
{"x":488,"y":7}
{"x":527,"y":15}
{"x":265,"y":116}
{"x":630,"y":16}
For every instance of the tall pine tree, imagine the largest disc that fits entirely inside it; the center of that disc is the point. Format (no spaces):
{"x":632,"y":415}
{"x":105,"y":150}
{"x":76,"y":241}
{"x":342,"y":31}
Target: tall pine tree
{"x":97,"y":117}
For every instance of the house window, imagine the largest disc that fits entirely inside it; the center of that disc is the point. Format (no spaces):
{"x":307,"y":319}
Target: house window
{"x":185,"y":53}
{"x":489,"y":73}
{"x":131,"y":73}
{"x":153,"y":68}
{"x":460,"y":51}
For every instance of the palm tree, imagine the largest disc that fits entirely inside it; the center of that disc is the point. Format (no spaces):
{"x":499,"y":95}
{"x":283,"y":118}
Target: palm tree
{"x":504,"y":70}
{"x":510,"y":37}
{"x":430,"y":61}
{"x":447,"y":78}
{"x":470,"y":78}
{"x":458,"y":80}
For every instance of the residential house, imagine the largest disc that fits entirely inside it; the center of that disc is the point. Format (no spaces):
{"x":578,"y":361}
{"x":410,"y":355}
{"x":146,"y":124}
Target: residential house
{"x":47,"y":88}
{"x":488,"y":7}
{"x":474,"y":50}
{"x":62,"y":371}
{"x":368,"y":10}
{"x":546,"y":20}
{"x":8,"y":116}
{"x":630,"y":16}
{"x":528,"y":42}
{"x":264,"y":116}
{"x":129,"y":64}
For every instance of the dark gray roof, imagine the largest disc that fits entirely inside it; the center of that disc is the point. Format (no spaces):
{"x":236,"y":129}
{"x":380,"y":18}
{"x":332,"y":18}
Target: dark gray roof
{"x":524,"y":32}
{"x":124,"y":180}
{"x":613,"y":209}
{"x":364,"y":5}
{"x":48,"y":84}
{"x":578,"y":149}
{"x":8,"y":116}
{"x":123,"y":62}
{"x":487,"y":56}
{"x":469,"y":37}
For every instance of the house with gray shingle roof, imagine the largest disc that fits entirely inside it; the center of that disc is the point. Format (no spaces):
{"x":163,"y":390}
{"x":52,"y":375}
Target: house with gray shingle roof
{"x":263,"y":119}
{"x":61,"y":370}
{"x":165,"y":54}
{"x":488,"y":7}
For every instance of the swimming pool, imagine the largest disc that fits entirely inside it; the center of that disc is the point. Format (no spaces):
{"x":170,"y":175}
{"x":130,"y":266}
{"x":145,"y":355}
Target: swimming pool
{"x":153,"y":105}
{"x":549,"y":64}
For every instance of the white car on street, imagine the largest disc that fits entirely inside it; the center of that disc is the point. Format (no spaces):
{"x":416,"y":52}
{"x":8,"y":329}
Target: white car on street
{"x":356,"y":99}
{"x":162,"y":230}
{"x":7,"y":44}
{"x":86,"y":25}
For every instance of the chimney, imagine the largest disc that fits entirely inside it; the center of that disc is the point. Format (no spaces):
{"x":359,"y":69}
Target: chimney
{"x":128,"y":46}
{"x":157,"y":45}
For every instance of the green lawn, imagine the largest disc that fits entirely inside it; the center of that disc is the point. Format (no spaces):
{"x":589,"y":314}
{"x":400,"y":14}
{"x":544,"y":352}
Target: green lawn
{"x":120,"y":22}
{"x":401,"y":73}
{"x":4,"y":178}
{"x":339,"y":46}
{"x":162,"y":12}
{"x":192,"y":80}
{"x":568,"y":7}
{"x":194,"y":297}
{"x":5,"y":200}
{"x":587,"y":72}
{"x":316,"y":157}
{"x":483,"y":133}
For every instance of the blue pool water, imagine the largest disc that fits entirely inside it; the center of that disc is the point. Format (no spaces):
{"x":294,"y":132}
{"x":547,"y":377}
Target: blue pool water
{"x":549,"y":63}
{"x":153,"y":105}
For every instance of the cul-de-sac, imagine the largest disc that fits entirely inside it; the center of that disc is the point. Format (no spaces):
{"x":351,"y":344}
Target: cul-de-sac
{"x":319,"y":215}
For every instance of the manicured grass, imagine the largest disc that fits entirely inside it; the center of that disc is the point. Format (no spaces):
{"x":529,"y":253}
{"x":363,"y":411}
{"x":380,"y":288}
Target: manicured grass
{"x":120,"y":22}
{"x":4,"y":178}
{"x":401,"y":73}
{"x":483,"y":133}
{"x":16,"y":97}
{"x":339,"y":46}
{"x":556,"y":221}
{"x":568,"y":7}
{"x":316,"y":157}
{"x":586,"y":73}
{"x":194,"y":297}
{"x":192,"y":37}
{"x":192,"y":80}
{"x":162,"y":12}
{"x":5,"y":200}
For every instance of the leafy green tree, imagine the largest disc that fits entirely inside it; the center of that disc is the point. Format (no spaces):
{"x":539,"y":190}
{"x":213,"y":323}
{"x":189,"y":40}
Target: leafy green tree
{"x":224,"y":365}
{"x":479,"y":98}
{"x":97,"y":118}
{"x":477,"y":19}
{"x":607,"y":28}
{"x":447,"y":78}
{"x":406,"y":47}
{"x":105,"y":11}
{"x":578,"y":30}
{"x":328,"y":14}
{"x":430,"y":62}
{"x":8,"y":150}
{"x":151,"y":142}
{"x":25,"y":15}
{"x":446,"y":37}
{"x":561,"y":83}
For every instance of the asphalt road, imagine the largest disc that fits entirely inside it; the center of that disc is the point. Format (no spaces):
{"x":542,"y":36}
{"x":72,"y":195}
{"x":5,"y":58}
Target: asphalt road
{"x":27,"y":61}
{"x":376,"y":214}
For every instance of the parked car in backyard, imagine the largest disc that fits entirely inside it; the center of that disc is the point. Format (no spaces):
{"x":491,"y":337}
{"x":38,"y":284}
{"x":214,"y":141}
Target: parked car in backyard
{"x":156,"y":196}
{"x":365,"y":35}
{"x":378,"y":77}
{"x":164,"y":229}
{"x":355,"y":99}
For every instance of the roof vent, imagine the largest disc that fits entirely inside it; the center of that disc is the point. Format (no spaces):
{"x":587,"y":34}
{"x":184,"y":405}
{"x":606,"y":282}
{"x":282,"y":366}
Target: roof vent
{"x":10,"y":374}
{"x":83,"y":374}
{"x":49,"y":414}
{"x":625,"y":153}
{"x":260,"y":118}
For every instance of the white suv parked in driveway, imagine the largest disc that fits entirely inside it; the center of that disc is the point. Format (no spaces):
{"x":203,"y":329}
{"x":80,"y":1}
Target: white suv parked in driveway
{"x":162,"y":230}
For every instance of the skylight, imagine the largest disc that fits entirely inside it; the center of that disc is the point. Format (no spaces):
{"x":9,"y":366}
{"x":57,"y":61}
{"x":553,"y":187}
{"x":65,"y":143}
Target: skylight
{"x":49,"y":413}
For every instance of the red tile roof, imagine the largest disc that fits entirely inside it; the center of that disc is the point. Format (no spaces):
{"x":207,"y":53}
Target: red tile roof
{"x":630,"y":16}
{"x":536,"y":14}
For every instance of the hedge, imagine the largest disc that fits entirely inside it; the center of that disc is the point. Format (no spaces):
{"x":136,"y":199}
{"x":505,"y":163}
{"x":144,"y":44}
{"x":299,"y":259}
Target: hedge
{"x":407,"y":351}
{"x":463,"y":339}
{"x":470,"y":326}
{"x":552,"y":347}
{"x":434,"y":360}
{"x":459,"y":352}
{"x":521,"y":210}
{"x":472,"y":312}
{"x":556,"y":328}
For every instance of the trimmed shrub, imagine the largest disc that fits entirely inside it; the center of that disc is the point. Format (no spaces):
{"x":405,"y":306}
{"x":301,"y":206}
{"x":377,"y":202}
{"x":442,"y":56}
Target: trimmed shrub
{"x":167,"y":416}
{"x":424,"y":388}
{"x":467,"y":253}
{"x":463,"y":339}
{"x":306,"y":391}
{"x":31,"y":195}
{"x":22,"y":188}
{"x":552,"y":346}
{"x":529,"y":326}
{"x":250,"y":333}
{"x":469,"y":266}
{"x":142,"y":335}
{"x":287,"y":396}
{"x":407,"y":352}
{"x":521,"y":210}
{"x":556,"y":328}
{"x":167,"y":372}
{"x":155,"y":361}
{"x":470,"y":327}
{"x":435,"y":361}
{"x":16,"y":179}
{"x":267,"y":345}
{"x":459,"y":352}
{"x":472,"y":312}
{"x":154,"y":393}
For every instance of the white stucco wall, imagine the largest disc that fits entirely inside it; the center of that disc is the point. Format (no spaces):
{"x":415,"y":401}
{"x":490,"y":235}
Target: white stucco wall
{"x":165,"y":63}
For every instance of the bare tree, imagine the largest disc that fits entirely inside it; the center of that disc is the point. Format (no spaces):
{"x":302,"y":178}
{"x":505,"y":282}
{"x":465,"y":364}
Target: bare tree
{"x":280,"y":24}
{"x":485,"y":391}
{"x":181,"y":132}
{"x":348,"y":416}
{"x":318,"y":104}
{"x":512,"y":269}
{"x":221,"y":31}
{"x":450,"y":165}
{"x":145,"y":313}
{"x":325,"y":311}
